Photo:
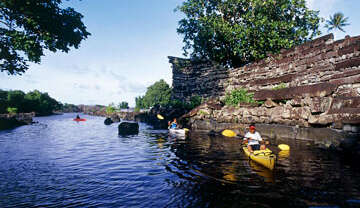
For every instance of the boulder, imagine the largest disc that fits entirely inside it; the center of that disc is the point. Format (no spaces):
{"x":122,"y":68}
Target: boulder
{"x":270,"y":104}
{"x":108,"y":121}
{"x":128,"y":128}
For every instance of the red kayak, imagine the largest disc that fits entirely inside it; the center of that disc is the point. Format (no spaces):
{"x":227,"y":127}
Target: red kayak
{"x":79,"y":119}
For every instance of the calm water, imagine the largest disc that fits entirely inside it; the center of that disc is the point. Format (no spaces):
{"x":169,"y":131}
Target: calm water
{"x":62,"y":163}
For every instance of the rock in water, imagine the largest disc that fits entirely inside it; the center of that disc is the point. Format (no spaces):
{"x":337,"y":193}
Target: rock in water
{"x":108,"y":121}
{"x":127,"y":128}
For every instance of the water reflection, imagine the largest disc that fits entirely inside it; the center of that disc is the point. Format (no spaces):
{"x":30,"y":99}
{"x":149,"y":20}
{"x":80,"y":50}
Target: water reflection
{"x":60,"y":163}
{"x":303,"y":176}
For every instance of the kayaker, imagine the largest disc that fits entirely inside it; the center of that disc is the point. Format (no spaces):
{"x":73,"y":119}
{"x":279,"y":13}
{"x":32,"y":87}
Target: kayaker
{"x":173,"y":125}
{"x":254,"y":140}
{"x":77,"y":116}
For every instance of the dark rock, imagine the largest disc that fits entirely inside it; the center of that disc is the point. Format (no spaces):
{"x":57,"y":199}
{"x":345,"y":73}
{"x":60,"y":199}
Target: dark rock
{"x":348,"y":63}
{"x":128,"y":128}
{"x":316,"y":90}
{"x":275,"y":80}
{"x":345,"y":104}
{"x":108,"y":121}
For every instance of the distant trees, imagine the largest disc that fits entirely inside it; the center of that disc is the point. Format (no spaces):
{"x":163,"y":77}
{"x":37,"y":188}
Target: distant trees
{"x":158,"y":93}
{"x":110,"y":109}
{"x":28,"y":27}
{"x":33,"y":101}
{"x":237,"y":32}
{"x":337,"y":22}
{"x":123,"y":105}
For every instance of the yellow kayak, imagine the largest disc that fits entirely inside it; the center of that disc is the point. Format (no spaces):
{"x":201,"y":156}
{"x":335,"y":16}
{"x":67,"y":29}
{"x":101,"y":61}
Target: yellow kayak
{"x":264,"y":157}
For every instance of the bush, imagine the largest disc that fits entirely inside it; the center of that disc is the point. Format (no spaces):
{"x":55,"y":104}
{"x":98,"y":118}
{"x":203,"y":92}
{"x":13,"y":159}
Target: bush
{"x":12,"y":110}
{"x":110,"y":109}
{"x":280,"y":86}
{"x":239,"y":96}
{"x":193,"y":103}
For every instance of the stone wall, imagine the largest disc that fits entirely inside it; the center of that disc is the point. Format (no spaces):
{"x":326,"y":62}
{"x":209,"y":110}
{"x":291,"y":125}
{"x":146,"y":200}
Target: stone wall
{"x":322,"y":60}
{"x":320,"y":88}
{"x":321,"y":80}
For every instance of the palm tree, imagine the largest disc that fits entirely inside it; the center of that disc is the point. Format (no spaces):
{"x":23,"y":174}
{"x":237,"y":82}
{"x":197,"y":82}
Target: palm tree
{"x":337,"y":21}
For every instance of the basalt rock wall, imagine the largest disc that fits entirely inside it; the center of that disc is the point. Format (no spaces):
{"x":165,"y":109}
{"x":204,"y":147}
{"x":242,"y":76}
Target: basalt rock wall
{"x":318,"y":85}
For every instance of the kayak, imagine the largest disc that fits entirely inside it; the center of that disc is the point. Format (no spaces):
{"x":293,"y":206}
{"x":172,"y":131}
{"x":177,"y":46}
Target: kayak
{"x":79,"y":119}
{"x":264,"y":157}
{"x":179,"y":132}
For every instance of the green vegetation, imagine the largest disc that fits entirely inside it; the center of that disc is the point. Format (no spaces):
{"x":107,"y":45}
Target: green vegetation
{"x":239,"y":96}
{"x":337,"y":22}
{"x":123,"y":105}
{"x":29,"y":27}
{"x":12,"y":110}
{"x":33,"y":101}
{"x":160,"y":94}
{"x":237,"y":32}
{"x":193,"y":103}
{"x":201,"y":112}
{"x":110,"y":109}
{"x":280,"y":86}
{"x":157,"y":94}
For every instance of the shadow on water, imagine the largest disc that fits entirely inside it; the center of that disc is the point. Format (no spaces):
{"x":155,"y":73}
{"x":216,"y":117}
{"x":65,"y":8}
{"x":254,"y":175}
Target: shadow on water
{"x":303,"y":177}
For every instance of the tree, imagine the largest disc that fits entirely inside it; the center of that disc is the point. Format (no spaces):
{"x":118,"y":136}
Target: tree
{"x":123,"y":105}
{"x":110,"y":109}
{"x":158,"y":93}
{"x":337,"y":22}
{"x":3,"y":101}
{"x":16,"y":100}
{"x":27,"y":27}
{"x":237,"y":32}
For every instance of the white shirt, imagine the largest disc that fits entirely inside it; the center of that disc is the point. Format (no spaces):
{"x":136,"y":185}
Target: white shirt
{"x":254,"y":138}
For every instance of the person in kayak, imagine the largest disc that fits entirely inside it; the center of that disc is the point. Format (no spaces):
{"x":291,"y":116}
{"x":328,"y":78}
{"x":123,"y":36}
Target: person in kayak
{"x":173,"y":125}
{"x":77,"y":116}
{"x":254,"y":140}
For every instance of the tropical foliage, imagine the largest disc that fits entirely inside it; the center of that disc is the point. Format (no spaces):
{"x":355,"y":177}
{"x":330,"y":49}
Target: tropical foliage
{"x":239,"y":96}
{"x":110,"y":109}
{"x":11,"y":110}
{"x":337,"y":22}
{"x":27,"y":27}
{"x":280,"y":86}
{"x":33,"y":101}
{"x":123,"y":105}
{"x":158,"y":93}
{"x":236,"y":32}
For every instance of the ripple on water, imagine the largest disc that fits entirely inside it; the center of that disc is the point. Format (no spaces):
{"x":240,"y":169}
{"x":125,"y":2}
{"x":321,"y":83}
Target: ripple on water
{"x":61,"y":163}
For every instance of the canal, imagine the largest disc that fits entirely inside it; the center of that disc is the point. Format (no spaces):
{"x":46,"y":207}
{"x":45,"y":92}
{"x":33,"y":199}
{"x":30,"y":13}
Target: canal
{"x":61,"y":163}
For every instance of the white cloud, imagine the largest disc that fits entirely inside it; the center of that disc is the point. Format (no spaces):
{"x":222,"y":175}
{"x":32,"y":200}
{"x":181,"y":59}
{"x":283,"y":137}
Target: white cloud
{"x":326,"y":7}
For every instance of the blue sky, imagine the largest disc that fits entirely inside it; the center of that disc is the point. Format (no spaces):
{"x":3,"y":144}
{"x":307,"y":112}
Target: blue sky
{"x":127,"y":50}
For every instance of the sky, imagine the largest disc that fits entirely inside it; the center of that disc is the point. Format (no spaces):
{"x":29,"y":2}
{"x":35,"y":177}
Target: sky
{"x":127,"y":51}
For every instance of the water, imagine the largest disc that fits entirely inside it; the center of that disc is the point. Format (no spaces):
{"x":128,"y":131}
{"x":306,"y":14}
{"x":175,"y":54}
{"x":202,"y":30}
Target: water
{"x":62,"y":163}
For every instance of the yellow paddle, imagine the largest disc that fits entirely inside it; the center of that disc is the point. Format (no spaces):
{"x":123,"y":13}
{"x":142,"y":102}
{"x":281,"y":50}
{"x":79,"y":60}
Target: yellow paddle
{"x":160,"y":117}
{"x":230,"y":133}
{"x":284,"y":147}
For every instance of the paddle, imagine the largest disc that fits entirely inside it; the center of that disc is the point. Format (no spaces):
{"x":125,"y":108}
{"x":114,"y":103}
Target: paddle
{"x":230,"y":133}
{"x":160,"y":117}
